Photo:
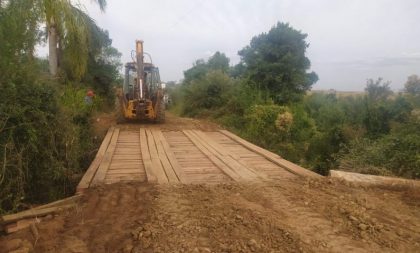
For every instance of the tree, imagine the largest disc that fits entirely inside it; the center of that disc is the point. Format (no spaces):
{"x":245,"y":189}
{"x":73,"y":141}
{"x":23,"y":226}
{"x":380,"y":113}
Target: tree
{"x":276,"y":62}
{"x":377,"y":112}
{"x":378,"y":91}
{"x":412,"y":86}
{"x":66,"y":25}
{"x":217,"y":62}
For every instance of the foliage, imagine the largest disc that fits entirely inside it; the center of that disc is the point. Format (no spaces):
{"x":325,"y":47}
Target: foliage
{"x":396,"y":153}
{"x":45,"y":133}
{"x":412,"y":86}
{"x":68,"y":26}
{"x":276,"y":62}
{"x":217,"y":62}
{"x":206,"y":93}
{"x":104,"y":65}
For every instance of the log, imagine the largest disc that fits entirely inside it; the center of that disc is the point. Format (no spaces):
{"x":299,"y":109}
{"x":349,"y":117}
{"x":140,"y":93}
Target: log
{"x":373,"y":180}
{"x":31,"y":213}
{"x":70,"y":200}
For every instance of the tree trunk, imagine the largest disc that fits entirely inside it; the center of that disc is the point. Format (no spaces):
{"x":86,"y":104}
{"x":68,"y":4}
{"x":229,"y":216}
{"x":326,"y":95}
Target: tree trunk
{"x":52,"y":43}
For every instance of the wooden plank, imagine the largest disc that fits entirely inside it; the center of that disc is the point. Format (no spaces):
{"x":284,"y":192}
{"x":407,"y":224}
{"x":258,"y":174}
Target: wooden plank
{"x":147,"y":162}
{"x":171,"y":157}
{"x":232,"y":160}
{"x":156,"y":164}
{"x":219,"y":163}
{"x":33,"y":213}
{"x":91,"y":171}
{"x":20,"y":224}
{"x":374,"y":180}
{"x":106,"y":161}
{"x":130,"y":177}
{"x":124,"y":171}
{"x":291,"y":167}
{"x":70,"y":200}
{"x":170,"y":173}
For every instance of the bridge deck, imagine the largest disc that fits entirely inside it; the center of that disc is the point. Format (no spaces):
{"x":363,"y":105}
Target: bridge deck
{"x":189,"y":156}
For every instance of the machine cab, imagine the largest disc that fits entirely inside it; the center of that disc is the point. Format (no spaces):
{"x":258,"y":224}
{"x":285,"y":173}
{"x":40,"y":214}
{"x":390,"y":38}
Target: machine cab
{"x":151,"y":78}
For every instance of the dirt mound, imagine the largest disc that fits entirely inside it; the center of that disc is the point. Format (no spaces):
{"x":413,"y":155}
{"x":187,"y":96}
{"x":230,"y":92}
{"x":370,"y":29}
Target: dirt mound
{"x":284,"y":216}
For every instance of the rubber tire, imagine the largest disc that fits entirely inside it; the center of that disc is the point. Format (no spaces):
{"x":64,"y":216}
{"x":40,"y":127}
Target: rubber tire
{"x":160,"y":114}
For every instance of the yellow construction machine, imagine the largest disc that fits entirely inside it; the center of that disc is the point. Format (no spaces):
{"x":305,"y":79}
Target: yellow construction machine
{"x":142,"y":93}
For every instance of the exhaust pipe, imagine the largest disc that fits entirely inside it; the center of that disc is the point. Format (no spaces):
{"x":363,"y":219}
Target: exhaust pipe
{"x":140,"y":66}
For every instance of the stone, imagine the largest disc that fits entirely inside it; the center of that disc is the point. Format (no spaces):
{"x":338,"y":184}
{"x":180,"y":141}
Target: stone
{"x":363,"y":226}
{"x":351,"y":217}
{"x":12,"y":244}
{"x":137,"y":249}
{"x":21,"y":250}
{"x":205,"y":250}
{"x":128,"y":248}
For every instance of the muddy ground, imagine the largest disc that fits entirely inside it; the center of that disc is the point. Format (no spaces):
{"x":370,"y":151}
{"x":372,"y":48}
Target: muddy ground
{"x":282,"y":216}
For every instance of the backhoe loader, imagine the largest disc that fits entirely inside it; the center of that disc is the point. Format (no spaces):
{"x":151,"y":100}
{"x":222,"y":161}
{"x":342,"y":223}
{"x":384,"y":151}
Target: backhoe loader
{"x":142,"y":93}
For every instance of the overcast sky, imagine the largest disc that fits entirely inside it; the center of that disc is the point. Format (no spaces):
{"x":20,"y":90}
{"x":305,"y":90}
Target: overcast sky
{"x":350,"y":40}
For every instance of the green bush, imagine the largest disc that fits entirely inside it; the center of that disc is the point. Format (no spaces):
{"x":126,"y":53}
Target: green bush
{"x":204,"y":95}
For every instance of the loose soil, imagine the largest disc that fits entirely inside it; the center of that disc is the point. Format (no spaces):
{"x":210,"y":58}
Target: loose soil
{"x":283,"y":216}
{"x":298,"y":215}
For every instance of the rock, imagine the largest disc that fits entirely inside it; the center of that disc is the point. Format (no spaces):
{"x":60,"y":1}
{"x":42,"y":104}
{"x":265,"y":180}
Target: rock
{"x":253,"y":245}
{"x":28,"y":244}
{"x":12,"y":244}
{"x":147,"y":233}
{"x":75,"y":245}
{"x":352,"y":218}
{"x":137,"y":249}
{"x":238,"y":217}
{"x":21,"y":250}
{"x":306,"y":203}
{"x":363,"y":226}
{"x":128,"y":248}
{"x":252,"y":242}
{"x":49,"y":217}
{"x":205,"y":250}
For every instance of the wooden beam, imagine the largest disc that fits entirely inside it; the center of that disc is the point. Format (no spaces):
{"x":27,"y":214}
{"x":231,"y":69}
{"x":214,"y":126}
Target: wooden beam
{"x":106,"y":161}
{"x":364,"y":179}
{"x":147,"y":162}
{"x":220,"y":152}
{"x":171,"y":157}
{"x":62,"y":202}
{"x":170,"y":173}
{"x":218,"y":162}
{"x":289,"y":166}
{"x":91,"y":171}
{"x":31,"y":213}
{"x":156,"y":164}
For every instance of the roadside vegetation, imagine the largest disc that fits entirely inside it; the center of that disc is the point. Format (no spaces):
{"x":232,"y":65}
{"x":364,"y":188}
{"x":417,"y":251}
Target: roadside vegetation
{"x":265,"y":99}
{"x":46,"y":138}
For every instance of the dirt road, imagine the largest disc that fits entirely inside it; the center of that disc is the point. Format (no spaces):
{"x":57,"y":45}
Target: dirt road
{"x":290,"y":215}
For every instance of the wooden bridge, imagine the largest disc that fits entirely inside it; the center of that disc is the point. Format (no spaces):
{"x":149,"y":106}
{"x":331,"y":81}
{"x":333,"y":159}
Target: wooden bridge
{"x":189,"y":156}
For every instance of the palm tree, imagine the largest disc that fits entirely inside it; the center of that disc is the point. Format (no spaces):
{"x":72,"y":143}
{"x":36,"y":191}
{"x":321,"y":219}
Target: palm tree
{"x":67,"y":25}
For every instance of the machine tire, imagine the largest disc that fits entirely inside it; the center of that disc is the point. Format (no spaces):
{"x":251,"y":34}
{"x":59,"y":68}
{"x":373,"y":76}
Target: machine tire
{"x":160,"y":114}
